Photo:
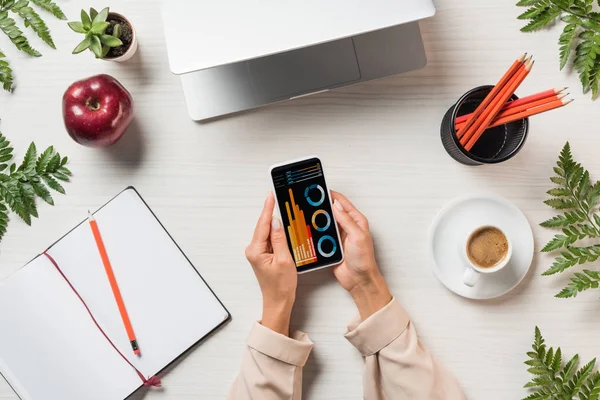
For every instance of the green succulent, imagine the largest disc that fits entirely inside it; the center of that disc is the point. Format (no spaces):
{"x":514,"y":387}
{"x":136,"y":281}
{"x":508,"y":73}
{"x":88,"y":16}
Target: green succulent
{"x":93,"y":26}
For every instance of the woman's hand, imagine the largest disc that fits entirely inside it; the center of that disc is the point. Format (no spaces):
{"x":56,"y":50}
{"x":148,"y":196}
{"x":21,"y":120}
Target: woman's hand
{"x":274,"y":268}
{"x":358,"y":274}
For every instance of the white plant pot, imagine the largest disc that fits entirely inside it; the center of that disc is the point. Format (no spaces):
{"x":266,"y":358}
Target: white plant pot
{"x":134,"y":41}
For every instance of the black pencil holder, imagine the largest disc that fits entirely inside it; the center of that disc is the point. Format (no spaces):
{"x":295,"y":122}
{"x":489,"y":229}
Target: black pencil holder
{"x":496,"y":145}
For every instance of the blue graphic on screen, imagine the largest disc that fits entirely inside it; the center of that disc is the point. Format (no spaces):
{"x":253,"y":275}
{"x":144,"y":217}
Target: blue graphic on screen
{"x":301,"y":193}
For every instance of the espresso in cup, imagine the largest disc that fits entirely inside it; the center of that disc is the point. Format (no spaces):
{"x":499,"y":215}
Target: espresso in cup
{"x":487,"y":247}
{"x":487,"y":250}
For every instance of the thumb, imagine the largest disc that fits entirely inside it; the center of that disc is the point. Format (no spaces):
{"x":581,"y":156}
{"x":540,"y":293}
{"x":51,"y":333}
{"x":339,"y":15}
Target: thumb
{"x":278,"y":239}
{"x":345,"y":220}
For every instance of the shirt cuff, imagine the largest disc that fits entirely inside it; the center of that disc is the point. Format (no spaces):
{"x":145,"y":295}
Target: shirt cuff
{"x":379,"y":330}
{"x":292,"y":350}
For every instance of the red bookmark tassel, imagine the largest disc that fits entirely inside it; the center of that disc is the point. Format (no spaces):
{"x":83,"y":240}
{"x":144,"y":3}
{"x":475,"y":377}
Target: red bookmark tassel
{"x":153,"y":380}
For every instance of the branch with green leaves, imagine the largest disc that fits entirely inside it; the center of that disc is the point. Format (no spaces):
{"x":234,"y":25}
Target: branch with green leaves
{"x":581,"y":32}
{"x":577,"y":198}
{"x":554,"y":379}
{"x":33,"y":178}
{"x":31,"y":19}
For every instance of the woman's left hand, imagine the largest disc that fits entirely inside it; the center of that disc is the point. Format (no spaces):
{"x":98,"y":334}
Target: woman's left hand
{"x":275,"y":269}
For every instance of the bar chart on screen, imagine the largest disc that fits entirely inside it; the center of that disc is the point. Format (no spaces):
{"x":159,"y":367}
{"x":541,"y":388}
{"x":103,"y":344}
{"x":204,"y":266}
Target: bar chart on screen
{"x":299,"y":232}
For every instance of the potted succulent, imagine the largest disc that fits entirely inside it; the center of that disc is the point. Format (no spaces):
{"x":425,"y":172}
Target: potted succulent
{"x":109,"y":35}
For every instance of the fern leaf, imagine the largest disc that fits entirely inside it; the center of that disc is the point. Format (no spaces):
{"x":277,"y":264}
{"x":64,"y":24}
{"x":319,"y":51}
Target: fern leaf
{"x":3,"y":220}
{"x":12,"y":196}
{"x":53,"y":184}
{"x":8,"y":26}
{"x":558,"y":242}
{"x":51,"y":7}
{"x":526,"y":3}
{"x":29,"y":161}
{"x":580,"y":376}
{"x":42,"y":192}
{"x":542,"y":19}
{"x":569,"y":218}
{"x":33,"y":20}
{"x":561,"y":204}
{"x":560,"y":265}
{"x":6,"y":78}
{"x":558,"y":381}
{"x":43,"y":160}
{"x":579,"y":283}
{"x":566,"y":43}
{"x":532,"y":12}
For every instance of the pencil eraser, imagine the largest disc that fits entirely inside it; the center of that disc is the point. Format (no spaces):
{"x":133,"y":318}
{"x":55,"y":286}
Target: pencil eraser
{"x":137,"y":352}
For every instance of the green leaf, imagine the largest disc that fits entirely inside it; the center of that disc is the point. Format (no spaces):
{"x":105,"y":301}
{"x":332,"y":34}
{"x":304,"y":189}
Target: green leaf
{"x":54,"y":164}
{"x":579,"y":283}
{"x":117,"y":31}
{"x":559,"y":192}
{"x":102,"y":15}
{"x":110,"y":41}
{"x":526,"y":3}
{"x":85,"y":20}
{"x":3,"y":220}
{"x":96,"y":46}
{"x":99,"y":27}
{"x":554,"y":381}
{"x":51,"y":7}
{"x":43,"y":160}
{"x":29,"y":162}
{"x":561,"y":204}
{"x":53,"y":184}
{"x":42,"y":192}
{"x":542,"y":19}
{"x":33,"y":20}
{"x":6,"y":78}
{"x":566,"y":43}
{"x":8,"y":26}
{"x":77,"y":26}
{"x":93,"y":13}
{"x":84,"y":45}
{"x":61,"y":176}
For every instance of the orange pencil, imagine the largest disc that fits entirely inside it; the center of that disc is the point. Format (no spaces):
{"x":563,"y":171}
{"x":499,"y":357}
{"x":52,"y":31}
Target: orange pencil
{"x":532,"y":111}
{"x":113,"y":284}
{"x":515,"y":103}
{"x":523,"y":107}
{"x":469,"y":141}
{"x":503,"y":94}
{"x":493,"y":93}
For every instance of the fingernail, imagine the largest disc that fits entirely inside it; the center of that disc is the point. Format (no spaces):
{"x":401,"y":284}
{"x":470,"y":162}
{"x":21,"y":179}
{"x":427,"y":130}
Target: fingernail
{"x":338,"y":205}
{"x":275,"y":223}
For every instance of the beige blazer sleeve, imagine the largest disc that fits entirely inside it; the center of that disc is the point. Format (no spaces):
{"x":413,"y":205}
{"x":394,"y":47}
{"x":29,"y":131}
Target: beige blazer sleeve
{"x":272,"y":366}
{"x":397,"y":365}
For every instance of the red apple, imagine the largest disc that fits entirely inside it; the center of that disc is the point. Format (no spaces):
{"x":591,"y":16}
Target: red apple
{"x":97,"y":111}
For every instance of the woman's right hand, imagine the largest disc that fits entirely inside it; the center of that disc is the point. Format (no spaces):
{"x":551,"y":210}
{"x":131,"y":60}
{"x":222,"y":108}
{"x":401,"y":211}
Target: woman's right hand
{"x":358,"y":273}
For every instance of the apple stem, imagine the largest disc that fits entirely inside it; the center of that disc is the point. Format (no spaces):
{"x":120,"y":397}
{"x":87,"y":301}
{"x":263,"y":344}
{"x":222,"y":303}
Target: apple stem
{"x":93,"y":104}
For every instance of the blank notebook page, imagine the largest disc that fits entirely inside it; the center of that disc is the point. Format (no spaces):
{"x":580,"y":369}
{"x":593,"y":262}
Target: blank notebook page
{"x":50,"y":348}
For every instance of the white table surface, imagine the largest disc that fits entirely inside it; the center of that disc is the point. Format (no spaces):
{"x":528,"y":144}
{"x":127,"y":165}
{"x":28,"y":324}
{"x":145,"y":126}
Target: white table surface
{"x":207,"y":182}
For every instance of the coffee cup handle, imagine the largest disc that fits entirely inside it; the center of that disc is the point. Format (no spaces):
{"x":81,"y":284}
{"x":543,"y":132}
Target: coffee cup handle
{"x":470,"y":277}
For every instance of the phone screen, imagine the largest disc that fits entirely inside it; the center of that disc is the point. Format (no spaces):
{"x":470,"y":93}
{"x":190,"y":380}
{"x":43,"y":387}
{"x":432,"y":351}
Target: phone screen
{"x":306,"y":214}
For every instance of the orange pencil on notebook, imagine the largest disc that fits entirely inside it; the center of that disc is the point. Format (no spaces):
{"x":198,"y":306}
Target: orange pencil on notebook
{"x":113,"y":284}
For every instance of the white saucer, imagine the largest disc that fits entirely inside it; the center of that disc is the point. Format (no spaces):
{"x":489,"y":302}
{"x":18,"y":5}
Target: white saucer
{"x":449,"y":232}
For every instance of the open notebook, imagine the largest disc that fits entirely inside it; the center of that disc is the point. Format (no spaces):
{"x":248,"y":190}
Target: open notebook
{"x":49,"y":347}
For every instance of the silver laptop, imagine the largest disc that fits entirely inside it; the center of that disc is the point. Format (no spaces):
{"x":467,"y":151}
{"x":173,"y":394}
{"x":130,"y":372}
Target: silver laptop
{"x":237,"y":55}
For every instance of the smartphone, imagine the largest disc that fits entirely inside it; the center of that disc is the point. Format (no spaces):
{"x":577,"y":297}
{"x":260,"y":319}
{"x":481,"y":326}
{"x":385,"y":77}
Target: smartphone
{"x":304,"y":204}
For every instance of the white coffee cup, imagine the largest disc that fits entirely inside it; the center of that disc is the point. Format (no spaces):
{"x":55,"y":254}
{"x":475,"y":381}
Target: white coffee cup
{"x":473,"y":271}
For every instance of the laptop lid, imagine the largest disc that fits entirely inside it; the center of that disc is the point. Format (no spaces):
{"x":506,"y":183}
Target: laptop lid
{"x":202,"y":34}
